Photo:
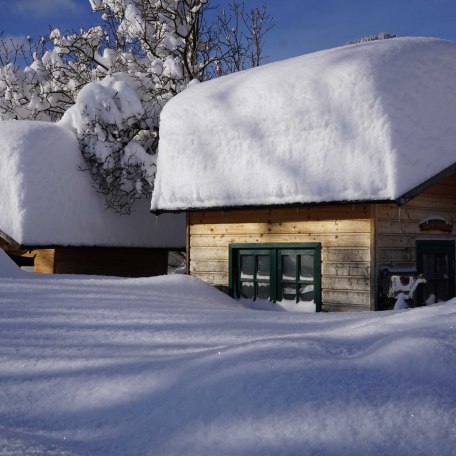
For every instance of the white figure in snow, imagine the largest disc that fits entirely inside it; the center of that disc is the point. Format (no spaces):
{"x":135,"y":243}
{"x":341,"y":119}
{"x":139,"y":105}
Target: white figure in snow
{"x":401,"y":302}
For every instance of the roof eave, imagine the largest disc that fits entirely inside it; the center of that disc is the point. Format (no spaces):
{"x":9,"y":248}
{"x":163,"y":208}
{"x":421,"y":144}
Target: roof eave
{"x":12,"y":242}
{"x":270,"y":206}
{"x":421,"y":188}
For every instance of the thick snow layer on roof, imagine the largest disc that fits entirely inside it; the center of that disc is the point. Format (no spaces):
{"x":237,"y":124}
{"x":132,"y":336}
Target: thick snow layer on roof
{"x":46,"y":200}
{"x":364,"y":122}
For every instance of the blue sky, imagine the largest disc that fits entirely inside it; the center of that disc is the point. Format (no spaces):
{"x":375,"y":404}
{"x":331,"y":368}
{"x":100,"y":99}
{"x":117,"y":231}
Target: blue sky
{"x":301,"y":26}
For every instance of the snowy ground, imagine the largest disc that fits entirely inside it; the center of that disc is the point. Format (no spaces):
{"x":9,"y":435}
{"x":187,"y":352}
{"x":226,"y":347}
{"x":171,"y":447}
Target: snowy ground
{"x":170,"y":366}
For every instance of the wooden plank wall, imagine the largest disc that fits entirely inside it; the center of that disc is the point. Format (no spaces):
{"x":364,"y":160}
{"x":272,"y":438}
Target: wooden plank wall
{"x":397,"y":228}
{"x":44,"y":261}
{"x":124,"y":262}
{"x":343,"y":231}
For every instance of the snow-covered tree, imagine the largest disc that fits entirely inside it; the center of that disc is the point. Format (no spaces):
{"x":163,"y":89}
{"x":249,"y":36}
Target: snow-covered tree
{"x":31,"y":90}
{"x":110,"y":82}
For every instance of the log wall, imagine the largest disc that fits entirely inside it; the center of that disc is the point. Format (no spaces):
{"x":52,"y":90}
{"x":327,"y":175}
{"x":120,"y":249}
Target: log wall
{"x":343,"y":231}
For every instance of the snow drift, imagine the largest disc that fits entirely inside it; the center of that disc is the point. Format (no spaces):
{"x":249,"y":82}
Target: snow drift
{"x":8,"y":268}
{"x":364,"y":122}
{"x":170,"y":366}
{"x":45,"y":199}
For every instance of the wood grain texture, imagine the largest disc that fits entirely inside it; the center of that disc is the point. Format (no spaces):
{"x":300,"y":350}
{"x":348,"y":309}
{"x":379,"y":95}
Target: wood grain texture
{"x":342,"y":231}
{"x":398,"y":228}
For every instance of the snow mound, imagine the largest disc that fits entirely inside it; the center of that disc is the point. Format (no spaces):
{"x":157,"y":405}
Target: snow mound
{"x":8,"y":267}
{"x":364,"y":122}
{"x":169,"y":366}
{"x":45,"y":199}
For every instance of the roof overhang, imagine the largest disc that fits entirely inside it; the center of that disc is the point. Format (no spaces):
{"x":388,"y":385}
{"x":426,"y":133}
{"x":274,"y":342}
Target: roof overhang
{"x":9,"y":240}
{"x":421,"y":188}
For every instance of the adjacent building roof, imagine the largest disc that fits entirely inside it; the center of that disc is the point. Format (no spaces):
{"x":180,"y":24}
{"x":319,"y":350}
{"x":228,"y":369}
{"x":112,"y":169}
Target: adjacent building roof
{"x":366,"y":122}
{"x":46,"y":200}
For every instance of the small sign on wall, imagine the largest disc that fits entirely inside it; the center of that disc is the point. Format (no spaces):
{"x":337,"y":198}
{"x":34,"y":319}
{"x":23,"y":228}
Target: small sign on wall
{"x":436,"y":224}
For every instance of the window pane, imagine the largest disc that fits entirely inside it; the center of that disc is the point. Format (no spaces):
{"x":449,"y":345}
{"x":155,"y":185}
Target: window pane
{"x":442,"y":290}
{"x":263,"y":291}
{"x":288,"y":267}
{"x":289,"y":292}
{"x":435,"y":265}
{"x":307,"y":267}
{"x":430,"y":287}
{"x":306,"y":293}
{"x":247,"y":290}
{"x":428,"y":266}
{"x":247,"y":266}
{"x":441,"y":266}
{"x":263,"y":267}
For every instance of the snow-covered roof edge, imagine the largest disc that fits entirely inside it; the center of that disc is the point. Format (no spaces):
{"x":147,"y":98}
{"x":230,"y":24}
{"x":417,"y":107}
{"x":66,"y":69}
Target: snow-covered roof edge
{"x":400,"y":201}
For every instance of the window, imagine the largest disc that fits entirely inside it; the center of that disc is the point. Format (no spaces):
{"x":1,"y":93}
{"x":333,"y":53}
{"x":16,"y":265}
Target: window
{"x":276,"y":272}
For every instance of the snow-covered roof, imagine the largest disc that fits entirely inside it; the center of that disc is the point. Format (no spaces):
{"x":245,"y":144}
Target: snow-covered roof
{"x":364,"y":122}
{"x":46,"y":200}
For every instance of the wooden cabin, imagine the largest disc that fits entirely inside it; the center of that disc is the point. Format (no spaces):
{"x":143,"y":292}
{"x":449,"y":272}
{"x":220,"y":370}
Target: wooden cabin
{"x":53,"y":221}
{"x":348,"y":246}
{"x":311,"y":182}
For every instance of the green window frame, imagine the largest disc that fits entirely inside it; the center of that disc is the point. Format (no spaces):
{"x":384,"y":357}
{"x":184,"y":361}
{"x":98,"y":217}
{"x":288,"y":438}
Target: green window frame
{"x":276,"y":272}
